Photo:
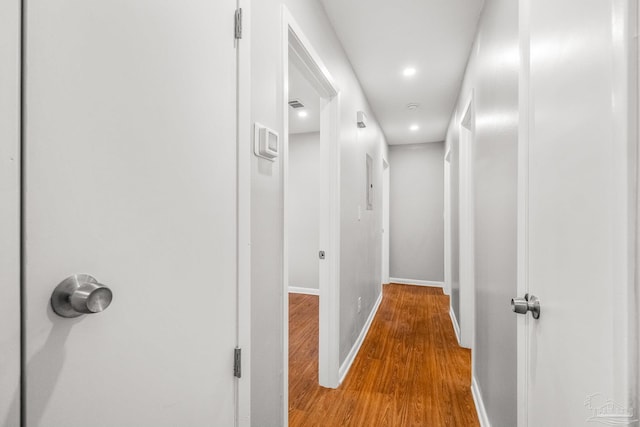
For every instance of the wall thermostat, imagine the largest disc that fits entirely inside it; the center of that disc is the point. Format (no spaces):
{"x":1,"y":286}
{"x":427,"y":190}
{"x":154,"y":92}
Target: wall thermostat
{"x":265,"y":142}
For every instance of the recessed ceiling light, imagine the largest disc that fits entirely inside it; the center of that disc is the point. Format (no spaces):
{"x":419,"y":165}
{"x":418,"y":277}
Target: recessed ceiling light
{"x":414,"y":127}
{"x":302,"y":114}
{"x":409,"y":71}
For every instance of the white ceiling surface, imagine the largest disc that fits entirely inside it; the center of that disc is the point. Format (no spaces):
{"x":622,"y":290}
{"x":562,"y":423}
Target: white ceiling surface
{"x":301,"y":89}
{"x":383,"y":37}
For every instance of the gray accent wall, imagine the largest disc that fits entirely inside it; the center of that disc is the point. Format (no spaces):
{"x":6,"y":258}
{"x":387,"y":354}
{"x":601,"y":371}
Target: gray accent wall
{"x":416,"y":222}
{"x":360,"y":228}
{"x":492,"y":77}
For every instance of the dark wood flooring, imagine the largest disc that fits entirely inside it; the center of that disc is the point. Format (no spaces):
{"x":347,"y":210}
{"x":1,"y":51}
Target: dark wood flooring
{"x":410,"y":370}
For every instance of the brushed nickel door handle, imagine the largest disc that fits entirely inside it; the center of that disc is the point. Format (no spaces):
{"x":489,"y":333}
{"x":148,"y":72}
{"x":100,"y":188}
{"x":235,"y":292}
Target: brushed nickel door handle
{"x":80,"y":294}
{"x":528,"y":303}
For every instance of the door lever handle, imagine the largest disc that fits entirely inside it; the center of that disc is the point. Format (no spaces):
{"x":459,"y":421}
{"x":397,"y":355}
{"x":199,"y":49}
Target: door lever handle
{"x":528,"y":303}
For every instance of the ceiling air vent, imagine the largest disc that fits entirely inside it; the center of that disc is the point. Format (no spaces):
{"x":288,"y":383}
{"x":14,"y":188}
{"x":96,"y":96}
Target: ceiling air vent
{"x":295,"y":103}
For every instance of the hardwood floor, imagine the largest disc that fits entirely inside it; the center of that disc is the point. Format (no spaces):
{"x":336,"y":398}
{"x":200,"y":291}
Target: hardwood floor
{"x":410,"y":370}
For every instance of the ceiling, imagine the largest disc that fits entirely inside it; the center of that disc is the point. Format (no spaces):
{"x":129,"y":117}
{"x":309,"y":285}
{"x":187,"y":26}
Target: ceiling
{"x":382,"y":38}
{"x":301,"y":89}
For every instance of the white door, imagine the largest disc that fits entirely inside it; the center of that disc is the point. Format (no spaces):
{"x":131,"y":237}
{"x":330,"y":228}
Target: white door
{"x":385,"y":221}
{"x":129,"y":176}
{"x":576,"y":215}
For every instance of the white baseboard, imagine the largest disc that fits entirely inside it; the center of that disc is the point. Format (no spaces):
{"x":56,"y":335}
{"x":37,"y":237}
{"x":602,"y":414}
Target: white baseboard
{"x":306,"y":291}
{"x":344,"y":368}
{"x":477,"y":399}
{"x":446,"y":289}
{"x":416,"y":282}
{"x":456,"y":326}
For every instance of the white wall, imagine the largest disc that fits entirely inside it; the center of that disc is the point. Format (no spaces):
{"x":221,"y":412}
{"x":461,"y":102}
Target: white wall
{"x":492,"y":74}
{"x":10,"y":212}
{"x":361,"y":237}
{"x":304,"y":192}
{"x":416,"y":206}
{"x":361,"y":251}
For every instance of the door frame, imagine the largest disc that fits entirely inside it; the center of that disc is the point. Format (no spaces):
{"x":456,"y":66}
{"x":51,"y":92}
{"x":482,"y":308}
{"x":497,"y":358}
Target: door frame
{"x":447,"y":221}
{"x":10,"y":209}
{"x":244,"y":144}
{"x":522,"y":233}
{"x":297,"y":47}
{"x":386,"y":194}
{"x":467,"y":228}
{"x":635,"y":318}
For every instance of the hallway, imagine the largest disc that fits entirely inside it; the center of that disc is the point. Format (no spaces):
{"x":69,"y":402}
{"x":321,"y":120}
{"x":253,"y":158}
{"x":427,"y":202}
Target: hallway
{"x":409,"y":371}
{"x":202,"y":199}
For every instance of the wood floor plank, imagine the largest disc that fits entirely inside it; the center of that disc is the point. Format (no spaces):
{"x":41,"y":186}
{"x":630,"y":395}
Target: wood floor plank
{"x":410,"y":370}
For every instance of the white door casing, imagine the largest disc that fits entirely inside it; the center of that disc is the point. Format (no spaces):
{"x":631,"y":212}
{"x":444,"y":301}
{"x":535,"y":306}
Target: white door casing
{"x":385,"y":221}
{"x":10,"y":212}
{"x":577,"y":195}
{"x":129,"y":143}
{"x":467,"y":250}
{"x":245,"y":155}
{"x":447,"y":221}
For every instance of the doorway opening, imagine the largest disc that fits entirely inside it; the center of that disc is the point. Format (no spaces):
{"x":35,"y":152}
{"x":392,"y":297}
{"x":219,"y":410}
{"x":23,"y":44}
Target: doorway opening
{"x":303,"y":182}
{"x":303,"y":185}
{"x":301,"y":62}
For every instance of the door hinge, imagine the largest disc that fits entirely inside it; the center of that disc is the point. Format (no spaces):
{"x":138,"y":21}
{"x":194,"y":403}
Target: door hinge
{"x":238,"y":24}
{"x":321,"y":255}
{"x":237,"y":362}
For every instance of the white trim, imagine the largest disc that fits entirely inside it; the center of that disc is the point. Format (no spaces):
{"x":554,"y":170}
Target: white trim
{"x":313,"y":68}
{"x":624,"y":180}
{"x":284,"y":176}
{"x":466,"y":212}
{"x":416,"y":282}
{"x":385,"y":239}
{"x":454,"y":322}
{"x":351,"y":357}
{"x":244,"y":142}
{"x":447,"y":222}
{"x":305,"y":291}
{"x":10,"y":170}
{"x":634,"y":330}
{"x":522,"y":285}
{"x":483,"y":417}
